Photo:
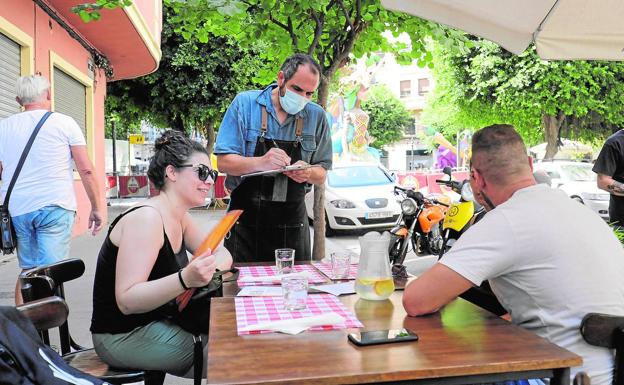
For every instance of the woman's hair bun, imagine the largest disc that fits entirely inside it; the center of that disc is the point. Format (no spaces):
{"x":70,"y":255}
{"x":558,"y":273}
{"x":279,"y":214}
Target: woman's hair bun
{"x":167,"y":138}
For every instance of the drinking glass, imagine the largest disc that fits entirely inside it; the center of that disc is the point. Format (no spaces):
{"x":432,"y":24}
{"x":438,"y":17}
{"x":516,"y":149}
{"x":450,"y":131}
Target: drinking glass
{"x":340,"y":264}
{"x":295,"y":292}
{"x":284,"y":260}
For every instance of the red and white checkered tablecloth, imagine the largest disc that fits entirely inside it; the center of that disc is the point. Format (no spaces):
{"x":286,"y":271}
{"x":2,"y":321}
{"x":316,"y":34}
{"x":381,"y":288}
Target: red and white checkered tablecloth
{"x":326,"y":269}
{"x":255,"y":310}
{"x":265,"y":271}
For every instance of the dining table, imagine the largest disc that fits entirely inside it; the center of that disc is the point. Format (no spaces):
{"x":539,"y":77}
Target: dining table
{"x":459,"y":344}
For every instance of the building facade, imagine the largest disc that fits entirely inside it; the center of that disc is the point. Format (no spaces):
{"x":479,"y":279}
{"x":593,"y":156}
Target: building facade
{"x":45,"y":37}
{"x":411,"y":84}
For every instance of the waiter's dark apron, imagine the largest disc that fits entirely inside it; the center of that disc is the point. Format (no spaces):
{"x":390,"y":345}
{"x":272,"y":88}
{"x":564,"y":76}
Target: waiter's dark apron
{"x":274,"y":208}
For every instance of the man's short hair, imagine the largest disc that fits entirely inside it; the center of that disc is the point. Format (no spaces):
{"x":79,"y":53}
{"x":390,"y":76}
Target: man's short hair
{"x":32,"y":89}
{"x":499,"y":153}
{"x":292,"y":63}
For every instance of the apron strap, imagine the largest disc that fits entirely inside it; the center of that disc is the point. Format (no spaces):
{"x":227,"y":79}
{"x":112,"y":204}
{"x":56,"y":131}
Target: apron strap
{"x":299,"y":127}
{"x":263,"y":126}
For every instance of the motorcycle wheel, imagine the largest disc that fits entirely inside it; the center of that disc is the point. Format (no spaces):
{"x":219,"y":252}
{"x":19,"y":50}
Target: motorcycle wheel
{"x":395,"y":248}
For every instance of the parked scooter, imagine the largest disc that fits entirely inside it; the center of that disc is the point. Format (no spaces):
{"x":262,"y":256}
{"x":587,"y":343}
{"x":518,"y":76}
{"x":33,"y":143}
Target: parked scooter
{"x":418,"y":226}
{"x":460,"y":215}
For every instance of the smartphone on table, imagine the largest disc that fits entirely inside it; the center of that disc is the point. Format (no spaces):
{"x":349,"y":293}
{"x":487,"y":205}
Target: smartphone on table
{"x":375,"y":337}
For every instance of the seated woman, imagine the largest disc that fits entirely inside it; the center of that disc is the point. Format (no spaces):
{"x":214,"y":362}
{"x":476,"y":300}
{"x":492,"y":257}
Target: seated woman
{"x":143,"y":264}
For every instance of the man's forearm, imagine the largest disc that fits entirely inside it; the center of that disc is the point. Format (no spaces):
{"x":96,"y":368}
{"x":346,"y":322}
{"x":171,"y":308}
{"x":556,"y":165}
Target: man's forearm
{"x":92,"y":187}
{"x":236,"y":165}
{"x":610,"y":185}
{"x":616,"y":188}
{"x":317,"y":176}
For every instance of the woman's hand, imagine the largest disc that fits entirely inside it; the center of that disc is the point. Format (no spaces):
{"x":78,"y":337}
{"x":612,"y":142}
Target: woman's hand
{"x":200,"y":270}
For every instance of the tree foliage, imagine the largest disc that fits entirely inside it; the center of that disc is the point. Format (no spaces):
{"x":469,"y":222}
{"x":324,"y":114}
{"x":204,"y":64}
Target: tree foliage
{"x":192,"y":87}
{"x":329,"y":30}
{"x":388,"y":116}
{"x":543,"y":99}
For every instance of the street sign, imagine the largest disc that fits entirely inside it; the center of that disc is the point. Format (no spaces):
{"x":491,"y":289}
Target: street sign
{"x":136,"y":139}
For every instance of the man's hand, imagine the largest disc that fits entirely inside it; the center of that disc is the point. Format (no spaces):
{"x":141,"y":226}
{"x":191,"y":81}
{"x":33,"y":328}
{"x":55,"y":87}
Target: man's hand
{"x":274,"y":158}
{"x":96,"y":221}
{"x":299,"y":176}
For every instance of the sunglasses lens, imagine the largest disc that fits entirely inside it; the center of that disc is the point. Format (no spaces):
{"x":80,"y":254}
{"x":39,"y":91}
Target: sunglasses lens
{"x":203,"y":172}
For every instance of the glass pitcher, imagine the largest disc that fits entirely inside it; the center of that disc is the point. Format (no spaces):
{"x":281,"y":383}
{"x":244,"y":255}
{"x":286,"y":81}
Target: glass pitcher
{"x":374,"y":279}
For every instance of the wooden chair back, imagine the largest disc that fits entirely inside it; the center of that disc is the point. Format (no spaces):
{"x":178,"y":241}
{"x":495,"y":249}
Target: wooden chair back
{"x":606,"y":331}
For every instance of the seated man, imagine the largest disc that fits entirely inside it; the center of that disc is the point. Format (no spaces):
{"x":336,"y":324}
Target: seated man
{"x":549,"y":260}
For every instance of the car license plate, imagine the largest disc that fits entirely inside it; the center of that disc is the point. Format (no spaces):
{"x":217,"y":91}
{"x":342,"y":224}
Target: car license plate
{"x":378,"y":214}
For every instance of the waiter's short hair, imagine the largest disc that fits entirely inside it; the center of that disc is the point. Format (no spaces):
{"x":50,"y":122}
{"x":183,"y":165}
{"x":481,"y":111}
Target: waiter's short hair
{"x":31,"y":89}
{"x":292,"y":63}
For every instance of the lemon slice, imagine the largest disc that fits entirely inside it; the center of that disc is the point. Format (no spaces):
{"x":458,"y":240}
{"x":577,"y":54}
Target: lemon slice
{"x":366,"y":282}
{"x":384,"y":288}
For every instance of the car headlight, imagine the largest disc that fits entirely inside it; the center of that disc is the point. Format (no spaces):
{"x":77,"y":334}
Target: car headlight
{"x":595,"y":197}
{"x":343,"y":204}
{"x":408,"y":206}
{"x":466,"y":192}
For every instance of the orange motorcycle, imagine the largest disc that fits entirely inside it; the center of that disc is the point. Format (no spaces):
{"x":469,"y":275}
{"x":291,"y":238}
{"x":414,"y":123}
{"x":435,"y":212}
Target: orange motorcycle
{"x":418,"y":226}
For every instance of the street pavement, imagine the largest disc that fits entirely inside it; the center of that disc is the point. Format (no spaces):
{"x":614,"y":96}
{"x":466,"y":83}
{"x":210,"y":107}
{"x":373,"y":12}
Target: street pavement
{"x":79,"y":291}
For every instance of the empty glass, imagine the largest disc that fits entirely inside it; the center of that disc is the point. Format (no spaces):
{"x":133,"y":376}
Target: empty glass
{"x":284,"y":260}
{"x":340,"y":264}
{"x":295,"y":292}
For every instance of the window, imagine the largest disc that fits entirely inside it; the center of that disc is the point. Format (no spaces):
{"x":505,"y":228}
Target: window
{"x":10,"y":69}
{"x":405,"y":88}
{"x":423,"y":86}
{"x":70,"y":98}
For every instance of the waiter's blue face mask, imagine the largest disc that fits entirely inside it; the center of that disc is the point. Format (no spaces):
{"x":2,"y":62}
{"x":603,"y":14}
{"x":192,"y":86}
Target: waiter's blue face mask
{"x":292,"y":102}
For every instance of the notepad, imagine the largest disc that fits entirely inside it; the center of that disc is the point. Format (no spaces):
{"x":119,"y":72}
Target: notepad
{"x":293,"y":167}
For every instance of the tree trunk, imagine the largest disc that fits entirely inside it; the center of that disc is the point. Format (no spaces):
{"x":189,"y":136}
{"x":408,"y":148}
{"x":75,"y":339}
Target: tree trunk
{"x":209,"y":134}
{"x":318,"y":246}
{"x":551,"y":125}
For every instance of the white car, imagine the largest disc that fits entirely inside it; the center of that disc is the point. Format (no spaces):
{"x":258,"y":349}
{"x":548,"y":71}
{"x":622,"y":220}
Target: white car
{"x":357,"y":196}
{"x":578,"y":181}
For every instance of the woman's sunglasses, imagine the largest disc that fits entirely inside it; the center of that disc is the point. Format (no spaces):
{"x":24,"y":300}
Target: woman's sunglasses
{"x":203,"y":171}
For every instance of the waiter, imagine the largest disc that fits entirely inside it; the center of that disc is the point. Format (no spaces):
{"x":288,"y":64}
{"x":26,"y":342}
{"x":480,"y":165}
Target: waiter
{"x":268,"y":130}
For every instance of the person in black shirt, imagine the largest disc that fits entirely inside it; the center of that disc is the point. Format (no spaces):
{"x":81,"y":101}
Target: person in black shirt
{"x":610,"y":169}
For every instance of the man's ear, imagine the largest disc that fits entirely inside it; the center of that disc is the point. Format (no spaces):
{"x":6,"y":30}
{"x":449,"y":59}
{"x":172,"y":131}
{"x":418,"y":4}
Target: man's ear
{"x":48,"y":95}
{"x":478,"y":178}
{"x":531,"y":162}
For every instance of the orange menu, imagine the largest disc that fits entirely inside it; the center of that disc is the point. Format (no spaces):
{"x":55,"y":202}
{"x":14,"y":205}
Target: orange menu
{"x":211,"y":242}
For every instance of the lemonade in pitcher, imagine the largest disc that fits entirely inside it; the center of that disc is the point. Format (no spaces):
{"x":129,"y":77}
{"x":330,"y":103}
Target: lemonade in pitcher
{"x":374,"y":288}
{"x":374,"y":280}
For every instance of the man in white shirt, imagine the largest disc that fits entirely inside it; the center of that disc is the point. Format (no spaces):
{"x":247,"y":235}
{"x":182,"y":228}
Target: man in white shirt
{"x":43,"y":203}
{"x":549,"y":259}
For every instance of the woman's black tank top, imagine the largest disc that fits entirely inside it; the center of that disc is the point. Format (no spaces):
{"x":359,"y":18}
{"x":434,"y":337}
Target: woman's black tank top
{"x":107,"y":318}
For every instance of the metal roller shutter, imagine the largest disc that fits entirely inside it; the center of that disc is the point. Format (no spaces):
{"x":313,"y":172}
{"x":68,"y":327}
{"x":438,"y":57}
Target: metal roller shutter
{"x":10,"y":70}
{"x":70,"y":98}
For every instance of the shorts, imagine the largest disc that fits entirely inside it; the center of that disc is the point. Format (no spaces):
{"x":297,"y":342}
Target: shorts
{"x":43,"y":236}
{"x":159,"y":345}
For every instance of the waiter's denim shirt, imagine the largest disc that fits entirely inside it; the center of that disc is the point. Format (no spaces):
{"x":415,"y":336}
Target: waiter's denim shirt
{"x":240,"y":129}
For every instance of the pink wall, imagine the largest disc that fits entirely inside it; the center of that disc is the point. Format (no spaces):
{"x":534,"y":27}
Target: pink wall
{"x":50,"y":36}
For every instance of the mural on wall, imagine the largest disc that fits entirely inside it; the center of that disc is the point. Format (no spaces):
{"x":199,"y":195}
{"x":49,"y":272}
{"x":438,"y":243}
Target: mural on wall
{"x":349,"y":123}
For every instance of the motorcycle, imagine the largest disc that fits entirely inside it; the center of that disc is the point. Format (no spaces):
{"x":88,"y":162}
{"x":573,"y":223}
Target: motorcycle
{"x":418,"y":225}
{"x":460,"y":216}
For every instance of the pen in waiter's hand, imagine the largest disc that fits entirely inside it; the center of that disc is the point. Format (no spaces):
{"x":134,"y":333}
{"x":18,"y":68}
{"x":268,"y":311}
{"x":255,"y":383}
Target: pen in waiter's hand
{"x":275,"y":143}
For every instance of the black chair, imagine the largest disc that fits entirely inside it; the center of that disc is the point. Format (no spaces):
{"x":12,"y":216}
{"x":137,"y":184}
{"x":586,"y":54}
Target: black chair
{"x":47,"y":281}
{"x":606,"y":331}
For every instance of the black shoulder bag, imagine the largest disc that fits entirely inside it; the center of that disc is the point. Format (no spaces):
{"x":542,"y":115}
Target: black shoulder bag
{"x":9,"y":239}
